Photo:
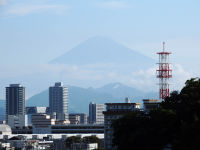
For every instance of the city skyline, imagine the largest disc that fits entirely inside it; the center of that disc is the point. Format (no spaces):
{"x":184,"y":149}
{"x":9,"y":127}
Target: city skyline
{"x":100,"y":74}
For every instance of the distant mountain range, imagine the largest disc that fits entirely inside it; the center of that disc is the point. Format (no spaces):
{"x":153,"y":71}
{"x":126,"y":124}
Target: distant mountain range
{"x":79,"y":98}
{"x":2,"y":109}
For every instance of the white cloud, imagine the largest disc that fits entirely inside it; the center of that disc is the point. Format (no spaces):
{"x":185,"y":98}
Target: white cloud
{"x":114,"y":5}
{"x":39,"y":77}
{"x":22,"y":10}
{"x":146,"y":79}
{"x":179,"y":76}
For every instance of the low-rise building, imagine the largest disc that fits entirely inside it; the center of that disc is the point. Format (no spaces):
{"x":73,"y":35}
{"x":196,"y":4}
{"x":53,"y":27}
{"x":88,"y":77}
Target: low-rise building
{"x":73,"y":129}
{"x":84,"y":146}
{"x":83,"y":117}
{"x":41,"y":123}
{"x":74,"y":119}
{"x":17,"y":121}
{"x":62,"y":122}
{"x":150,"y":104}
{"x":34,"y":110}
{"x":17,"y":144}
{"x":115,"y":111}
{"x":31,"y":144}
{"x":5,"y":146}
{"x":42,"y":141}
{"x":5,"y":129}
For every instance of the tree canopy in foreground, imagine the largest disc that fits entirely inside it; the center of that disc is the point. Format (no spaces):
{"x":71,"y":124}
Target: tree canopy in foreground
{"x":175,"y":124}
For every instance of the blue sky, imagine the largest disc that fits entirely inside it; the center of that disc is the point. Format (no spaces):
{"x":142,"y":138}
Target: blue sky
{"x":34,"y":32}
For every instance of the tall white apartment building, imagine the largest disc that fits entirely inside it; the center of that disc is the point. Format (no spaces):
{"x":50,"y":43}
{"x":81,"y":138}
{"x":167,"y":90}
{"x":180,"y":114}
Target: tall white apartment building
{"x":58,"y":101}
{"x":96,"y":115}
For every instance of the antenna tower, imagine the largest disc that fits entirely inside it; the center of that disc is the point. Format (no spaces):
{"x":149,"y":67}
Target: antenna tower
{"x":164,"y":73}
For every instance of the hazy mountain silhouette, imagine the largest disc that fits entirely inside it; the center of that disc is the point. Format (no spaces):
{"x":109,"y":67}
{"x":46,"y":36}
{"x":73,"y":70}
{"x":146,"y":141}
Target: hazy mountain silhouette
{"x":2,"y":109}
{"x":120,"y":90}
{"x":79,"y":98}
{"x":103,"y":50}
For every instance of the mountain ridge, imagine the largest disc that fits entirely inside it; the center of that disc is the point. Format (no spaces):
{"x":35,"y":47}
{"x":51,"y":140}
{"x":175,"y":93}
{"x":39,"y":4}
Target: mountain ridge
{"x":100,"y":50}
{"x":84,"y":96}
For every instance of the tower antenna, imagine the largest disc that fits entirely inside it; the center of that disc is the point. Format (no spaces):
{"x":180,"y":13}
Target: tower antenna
{"x":164,"y":73}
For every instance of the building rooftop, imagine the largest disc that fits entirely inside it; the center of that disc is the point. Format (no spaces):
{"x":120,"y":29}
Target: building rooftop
{"x":122,"y":103}
{"x":58,"y":84}
{"x":34,"y":110}
{"x":5,"y":128}
{"x":15,"y":85}
{"x":150,"y":100}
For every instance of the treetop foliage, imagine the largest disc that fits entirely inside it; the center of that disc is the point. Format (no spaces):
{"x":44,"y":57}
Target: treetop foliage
{"x":175,"y":124}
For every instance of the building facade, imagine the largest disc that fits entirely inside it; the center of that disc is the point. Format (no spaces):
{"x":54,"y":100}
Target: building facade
{"x":42,"y":123}
{"x":83,"y":117}
{"x":17,"y":121}
{"x":34,"y":110}
{"x":115,"y":111}
{"x":15,"y":100}
{"x":58,"y":101}
{"x":74,"y":119}
{"x":96,"y":115}
{"x":150,"y":104}
{"x":78,"y":129}
{"x":84,"y":146}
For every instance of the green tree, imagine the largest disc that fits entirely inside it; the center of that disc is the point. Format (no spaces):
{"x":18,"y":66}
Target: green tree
{"x":93,"y":139}
{"x":176,"y":122}
{"x":71,"y":140}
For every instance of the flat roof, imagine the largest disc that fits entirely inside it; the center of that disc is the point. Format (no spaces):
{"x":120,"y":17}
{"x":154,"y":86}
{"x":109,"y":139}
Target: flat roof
{"x":122,"y":103}
{"x":155,"y":100}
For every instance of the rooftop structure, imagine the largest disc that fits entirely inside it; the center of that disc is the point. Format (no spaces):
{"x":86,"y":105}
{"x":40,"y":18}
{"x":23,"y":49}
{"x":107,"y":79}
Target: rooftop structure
{"x":5,"y":129}
{"x":36,"y":110}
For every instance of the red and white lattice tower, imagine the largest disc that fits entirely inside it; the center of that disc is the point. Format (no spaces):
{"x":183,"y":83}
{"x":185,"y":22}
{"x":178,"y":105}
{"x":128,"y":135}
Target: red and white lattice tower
{"x":164,"y":73}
